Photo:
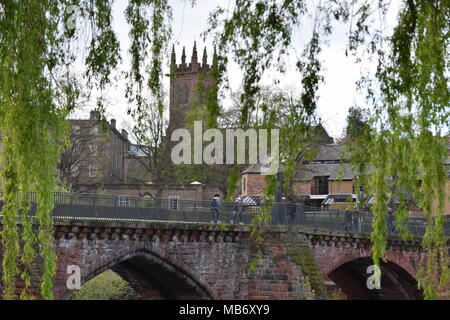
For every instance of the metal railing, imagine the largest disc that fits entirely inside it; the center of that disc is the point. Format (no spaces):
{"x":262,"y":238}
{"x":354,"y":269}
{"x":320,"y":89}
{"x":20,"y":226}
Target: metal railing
{"x":119,"y":207}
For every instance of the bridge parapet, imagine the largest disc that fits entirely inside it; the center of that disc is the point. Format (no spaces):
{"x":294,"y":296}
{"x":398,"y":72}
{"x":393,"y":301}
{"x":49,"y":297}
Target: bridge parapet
{"x":127,"y":208}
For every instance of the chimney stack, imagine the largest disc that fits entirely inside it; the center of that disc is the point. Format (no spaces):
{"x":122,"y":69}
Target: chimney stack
{"x":113,"y":123}
{"x":94,"y":115}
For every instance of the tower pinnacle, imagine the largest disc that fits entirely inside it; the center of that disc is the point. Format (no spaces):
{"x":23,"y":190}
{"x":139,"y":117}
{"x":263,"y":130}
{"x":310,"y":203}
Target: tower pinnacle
{"x":173,"y":57}
{"x":183,"y":56}
{"x":194,"y":54}
{"x":205,"y":58}
{"x":214,"y":62}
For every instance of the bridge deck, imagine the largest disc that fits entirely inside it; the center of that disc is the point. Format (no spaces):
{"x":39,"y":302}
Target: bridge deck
{"x":142,"y":209}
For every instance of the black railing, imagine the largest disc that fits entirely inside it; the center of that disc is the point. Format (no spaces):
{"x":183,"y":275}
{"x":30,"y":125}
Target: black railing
{"x":119,"y":207}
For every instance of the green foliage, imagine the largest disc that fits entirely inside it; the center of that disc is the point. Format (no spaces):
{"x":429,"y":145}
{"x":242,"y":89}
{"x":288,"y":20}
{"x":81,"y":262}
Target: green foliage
{"x":404,"y":139}
{"x":357,"y":122}
{"x":31,"y":123}
{"x":405,"y":145}
{"x":38,"y":44}
{"x":106,"y":286}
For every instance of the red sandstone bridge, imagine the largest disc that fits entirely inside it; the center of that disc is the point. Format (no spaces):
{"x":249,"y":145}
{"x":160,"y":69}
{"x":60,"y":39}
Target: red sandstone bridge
{"x":169,"y":249}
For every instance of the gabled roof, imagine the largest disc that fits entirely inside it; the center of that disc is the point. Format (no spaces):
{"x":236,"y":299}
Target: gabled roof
{"x":334,"y":171}
{"x":329,"y":152}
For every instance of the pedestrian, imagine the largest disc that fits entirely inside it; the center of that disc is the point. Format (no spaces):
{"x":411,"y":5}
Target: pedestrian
{"x":360,"y":221}
{"x":238,"y":208}
{"x":348,"y":220}
{"x":215,"y":209}
{"x":292,"y":209}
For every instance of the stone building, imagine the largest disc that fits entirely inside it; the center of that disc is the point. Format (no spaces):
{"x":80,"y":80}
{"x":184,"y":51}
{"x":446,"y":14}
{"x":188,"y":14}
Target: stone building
{"x":189,"y":86}
{"x":98,"y":153}
{"x":102,"y":159}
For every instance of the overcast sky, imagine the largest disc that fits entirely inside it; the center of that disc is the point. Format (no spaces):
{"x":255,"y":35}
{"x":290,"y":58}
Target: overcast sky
{"x":337,"y":94}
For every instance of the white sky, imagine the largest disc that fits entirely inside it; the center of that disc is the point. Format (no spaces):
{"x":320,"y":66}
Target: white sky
{"x":337,"y":94}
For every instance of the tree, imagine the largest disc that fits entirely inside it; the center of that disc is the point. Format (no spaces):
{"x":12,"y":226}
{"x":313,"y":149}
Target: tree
{"x":408,"y":93}
{"x":357,"y":122}
{"x":153,"y":145}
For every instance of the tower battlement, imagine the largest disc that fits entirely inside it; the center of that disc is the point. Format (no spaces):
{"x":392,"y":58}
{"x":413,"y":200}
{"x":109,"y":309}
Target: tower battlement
{"x":184,"y":91}
{"x":194,"y":65}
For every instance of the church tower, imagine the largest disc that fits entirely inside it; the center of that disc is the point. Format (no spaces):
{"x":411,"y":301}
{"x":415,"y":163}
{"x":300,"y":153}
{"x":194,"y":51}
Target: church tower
{"x":188,"y":84}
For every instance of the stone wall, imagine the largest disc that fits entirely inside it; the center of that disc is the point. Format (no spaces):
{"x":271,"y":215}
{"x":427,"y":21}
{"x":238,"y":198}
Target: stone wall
{"x":189,"y":261}
{"x":183,"y":261}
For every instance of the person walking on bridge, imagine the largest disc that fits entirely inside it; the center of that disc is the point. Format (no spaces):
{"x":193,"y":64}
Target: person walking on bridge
{"x":215,"y":209}
{"x":292,"y":209}
{"x":348,"y":223}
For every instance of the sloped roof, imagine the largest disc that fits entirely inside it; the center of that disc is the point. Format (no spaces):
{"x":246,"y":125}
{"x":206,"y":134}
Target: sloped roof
{"x":328,"y":152}
{"x":335,"y":171}
{"x":324,"y":153}
{"x":306,"y":172}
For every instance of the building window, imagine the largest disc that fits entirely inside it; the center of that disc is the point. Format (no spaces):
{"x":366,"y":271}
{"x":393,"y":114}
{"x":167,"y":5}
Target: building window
{"x":93,"y":148}
{"x":94,"y":130}
{"x":174,"y":203}
{"x":92,"y":171}
{"x":124,"y":201}
{"x":320,"y":185}
{"x":76,"y":129}
{"x":74,"y":172}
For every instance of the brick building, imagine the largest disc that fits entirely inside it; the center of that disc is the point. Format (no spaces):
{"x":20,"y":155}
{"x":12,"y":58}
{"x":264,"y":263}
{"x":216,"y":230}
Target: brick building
{"x":327,"y":181}
{"x":98,"y":153}
{"x":324,"y":181}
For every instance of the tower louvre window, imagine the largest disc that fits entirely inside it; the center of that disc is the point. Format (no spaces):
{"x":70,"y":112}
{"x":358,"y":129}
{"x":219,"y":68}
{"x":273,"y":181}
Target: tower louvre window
{"x":184,"y":94}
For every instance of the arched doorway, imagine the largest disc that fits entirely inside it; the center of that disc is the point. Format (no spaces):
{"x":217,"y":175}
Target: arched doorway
{"x":396,"y":283}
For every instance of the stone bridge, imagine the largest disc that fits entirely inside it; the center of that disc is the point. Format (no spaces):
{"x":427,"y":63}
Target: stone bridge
{"x":172,"y":251}
{"x":188,"y":261}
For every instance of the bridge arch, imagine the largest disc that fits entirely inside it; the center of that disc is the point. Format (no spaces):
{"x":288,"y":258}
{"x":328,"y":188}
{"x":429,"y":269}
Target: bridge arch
{"x":407,"y":262}
{"x":152,"y":276}
{"x":397,"y":282}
